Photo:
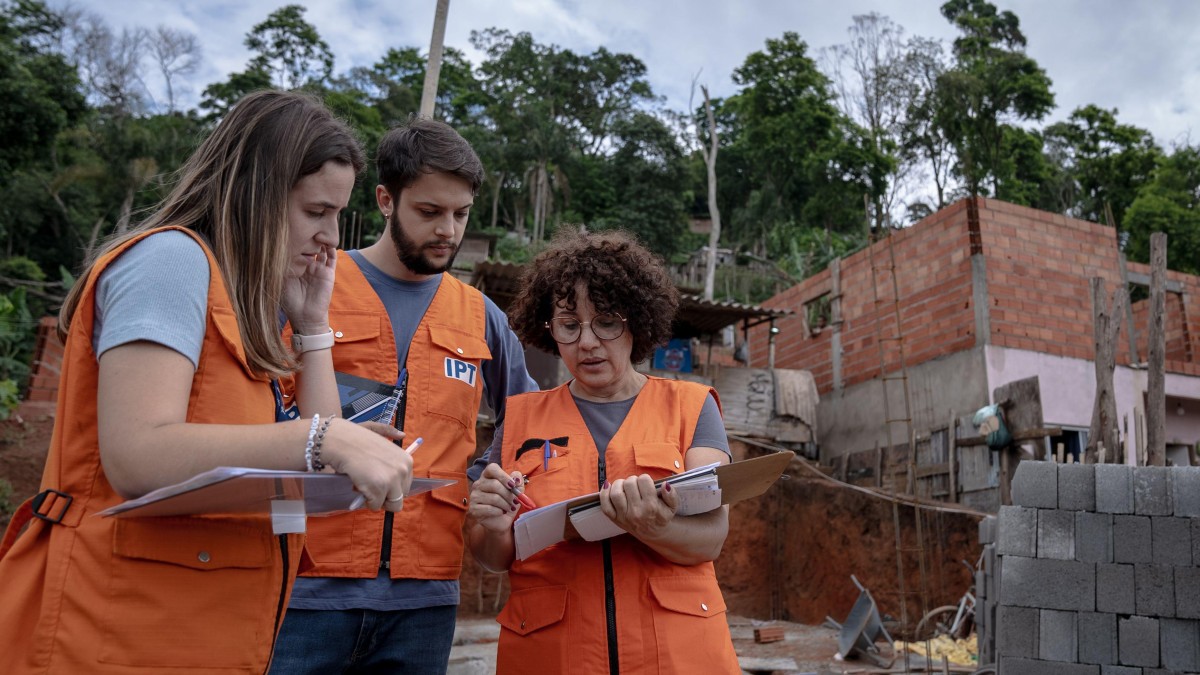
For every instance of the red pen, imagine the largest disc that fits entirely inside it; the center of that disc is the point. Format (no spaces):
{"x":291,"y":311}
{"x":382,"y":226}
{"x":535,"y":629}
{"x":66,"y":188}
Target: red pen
{"x":523,"y":498}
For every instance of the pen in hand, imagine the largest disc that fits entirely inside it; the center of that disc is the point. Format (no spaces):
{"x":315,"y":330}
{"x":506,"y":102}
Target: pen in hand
{"x":361,"y":501}
{"x":525,"y":500}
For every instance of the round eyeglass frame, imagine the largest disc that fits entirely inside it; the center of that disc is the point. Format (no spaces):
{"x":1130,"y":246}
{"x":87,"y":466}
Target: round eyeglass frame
{"x":624,"y":323}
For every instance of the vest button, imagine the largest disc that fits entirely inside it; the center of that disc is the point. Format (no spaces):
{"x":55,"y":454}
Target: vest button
{"x":204,"y":557}
{"x":676,"y":464}
{"x":464,"y":501}
{"x":522,"y":624}
{"x":704,"y":606}
{"x":337,"y":334}
{"x":459,"y":350}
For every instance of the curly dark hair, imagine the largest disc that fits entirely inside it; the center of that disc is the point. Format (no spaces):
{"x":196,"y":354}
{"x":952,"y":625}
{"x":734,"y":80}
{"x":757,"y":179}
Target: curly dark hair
{"x":621,"y":276}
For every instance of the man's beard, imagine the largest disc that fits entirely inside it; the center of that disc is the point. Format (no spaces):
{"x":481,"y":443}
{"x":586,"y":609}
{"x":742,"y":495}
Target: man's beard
{"x":410,"y":252}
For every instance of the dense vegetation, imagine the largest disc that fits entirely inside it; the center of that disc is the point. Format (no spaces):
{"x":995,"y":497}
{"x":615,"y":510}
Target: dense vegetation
{"x":815,"y":147}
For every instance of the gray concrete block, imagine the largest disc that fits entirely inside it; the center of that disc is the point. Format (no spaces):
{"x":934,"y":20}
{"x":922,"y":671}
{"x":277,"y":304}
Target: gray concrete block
{"x":1172,"y":539}
{"x":1185,"y":491}
{"x":987,"y":530}
{"x":1179,"y":645}
{"x":1119,"y":670}
{"x":1195,"y":523}
{"x":1048,"y":584}
{"x":1057,"y":635}
{"x":1017,"y":631}
{"x":1114,"y":488}
{"x":1097,"y":638}
{"x":1013,"y":666}
{"x":1093,"y":537}
{"x":1115,"y":589}
{"x":1077,"y":487}
{"x":1138,"y":641}
{"x":1155,"y":590}
{"x":1056,"y":534}
{"x":1132,"y":537}
{"x":1035,"y":485}
{"x":1152,"y":491}
{"x":1018,"y":531}
{"x":1187,"y":592}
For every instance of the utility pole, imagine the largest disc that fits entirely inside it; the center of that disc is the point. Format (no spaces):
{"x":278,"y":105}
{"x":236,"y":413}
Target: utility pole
{"x":434,"y":69}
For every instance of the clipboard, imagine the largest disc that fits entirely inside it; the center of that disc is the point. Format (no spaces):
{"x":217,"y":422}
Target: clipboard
{"x":229,"y":490}
{"x":543,"y":527}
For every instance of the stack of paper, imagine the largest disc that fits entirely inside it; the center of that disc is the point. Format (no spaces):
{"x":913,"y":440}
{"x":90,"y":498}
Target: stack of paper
{"x":700,"y":490}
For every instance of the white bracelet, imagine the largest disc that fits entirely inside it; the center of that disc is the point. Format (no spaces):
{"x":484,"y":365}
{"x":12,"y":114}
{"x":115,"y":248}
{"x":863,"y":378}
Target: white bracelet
{"x":312,"y":437}
{"x":309,"y":343}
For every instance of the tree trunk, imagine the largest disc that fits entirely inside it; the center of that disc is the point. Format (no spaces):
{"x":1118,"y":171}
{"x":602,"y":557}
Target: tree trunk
{"x":496,"y":198}
{"x":433,"y":71}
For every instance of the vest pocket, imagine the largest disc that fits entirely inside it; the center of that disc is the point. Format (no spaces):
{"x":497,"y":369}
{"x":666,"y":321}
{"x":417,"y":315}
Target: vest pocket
{"x":191,"y":592}
{"x":454,"y":362}
{"x":441,"y":543}
{"x":690,"y":628}
{"x":533,"y":635}
{"x":659,"y":460}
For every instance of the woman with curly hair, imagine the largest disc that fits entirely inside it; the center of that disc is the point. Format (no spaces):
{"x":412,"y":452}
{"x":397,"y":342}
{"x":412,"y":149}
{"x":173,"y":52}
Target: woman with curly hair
{"x":647,"y":601}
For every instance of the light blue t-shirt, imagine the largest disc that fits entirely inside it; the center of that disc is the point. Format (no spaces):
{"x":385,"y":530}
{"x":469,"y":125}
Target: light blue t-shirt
{"x":504,"y":375}
{"x":156,"y":291}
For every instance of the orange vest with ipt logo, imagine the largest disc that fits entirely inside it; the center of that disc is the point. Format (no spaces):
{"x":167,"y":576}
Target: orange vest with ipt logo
{"x":89,"y":594}
{"x":669,"y":618}
{"x":445,"y":386}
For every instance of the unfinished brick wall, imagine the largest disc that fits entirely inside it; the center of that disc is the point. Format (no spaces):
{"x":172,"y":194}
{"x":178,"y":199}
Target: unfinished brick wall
{"x":1181,"y":326}
{"x":1099,"y":571}
{"x":1038,"y":269}
{"x":934,"y":280}
{"x":43,"y":376}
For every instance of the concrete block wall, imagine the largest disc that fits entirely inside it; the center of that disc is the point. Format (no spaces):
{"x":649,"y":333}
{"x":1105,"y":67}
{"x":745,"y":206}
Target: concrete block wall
{"x":1099,"y":572}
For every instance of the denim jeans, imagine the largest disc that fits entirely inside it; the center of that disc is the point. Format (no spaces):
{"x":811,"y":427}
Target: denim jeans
{"x":363,"y":641}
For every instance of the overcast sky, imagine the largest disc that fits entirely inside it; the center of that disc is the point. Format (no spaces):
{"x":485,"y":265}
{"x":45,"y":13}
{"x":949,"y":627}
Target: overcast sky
{"x":1140,"y":56}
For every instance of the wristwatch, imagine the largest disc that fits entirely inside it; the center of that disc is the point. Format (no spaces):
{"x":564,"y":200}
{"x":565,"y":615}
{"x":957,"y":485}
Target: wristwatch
{"x":308,"y":343}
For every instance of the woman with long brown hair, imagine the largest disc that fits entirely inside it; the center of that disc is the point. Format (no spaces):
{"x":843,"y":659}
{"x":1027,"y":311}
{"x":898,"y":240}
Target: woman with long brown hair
{"x":171,"y":367}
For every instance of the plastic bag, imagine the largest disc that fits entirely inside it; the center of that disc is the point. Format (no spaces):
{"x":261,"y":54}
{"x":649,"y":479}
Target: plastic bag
{"x":989,"y":420}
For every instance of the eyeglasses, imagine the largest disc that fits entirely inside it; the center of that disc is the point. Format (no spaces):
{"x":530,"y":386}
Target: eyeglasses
{"x":566,"y":330}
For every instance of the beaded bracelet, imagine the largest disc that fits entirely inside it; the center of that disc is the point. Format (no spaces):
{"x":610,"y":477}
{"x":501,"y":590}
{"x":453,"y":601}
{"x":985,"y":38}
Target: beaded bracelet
{"x":308,"y":447}
{"x":316,"y":451}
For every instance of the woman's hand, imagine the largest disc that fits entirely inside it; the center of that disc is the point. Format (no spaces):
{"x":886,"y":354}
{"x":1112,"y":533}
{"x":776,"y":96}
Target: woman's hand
{"x":494,"y":502}
{"x":305,"y":300}
{"x":636,"y":506}
{"x":381,"y":471}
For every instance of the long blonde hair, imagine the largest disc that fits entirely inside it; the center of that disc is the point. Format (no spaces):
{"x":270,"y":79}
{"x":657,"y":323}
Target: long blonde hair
{"x":233,"y":191}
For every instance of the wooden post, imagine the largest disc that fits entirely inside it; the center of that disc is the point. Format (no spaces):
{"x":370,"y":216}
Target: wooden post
{"x":1156,"y":400}
{"x":878,"y":465}
{"x":1106,"y":328}
{"x":1059,"y":453}
{"x":952,"y":454}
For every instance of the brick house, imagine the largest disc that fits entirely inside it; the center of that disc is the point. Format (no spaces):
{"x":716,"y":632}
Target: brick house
{"x":989,"y":293}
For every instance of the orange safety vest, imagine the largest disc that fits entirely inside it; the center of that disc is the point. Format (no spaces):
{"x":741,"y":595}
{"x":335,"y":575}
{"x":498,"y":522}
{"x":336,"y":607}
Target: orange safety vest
{"x":669,"y":618}
{"x":445,"y":387}
{"x":89,"y":594}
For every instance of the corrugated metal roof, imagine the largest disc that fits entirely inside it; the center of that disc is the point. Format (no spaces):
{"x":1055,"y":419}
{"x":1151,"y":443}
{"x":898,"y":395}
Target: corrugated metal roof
{"x":696,"y":316}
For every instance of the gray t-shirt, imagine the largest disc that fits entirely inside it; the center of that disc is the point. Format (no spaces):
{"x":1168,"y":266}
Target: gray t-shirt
{"x":156,"y":291}
{"x":503,"y":376}
{"x":604,"y":419}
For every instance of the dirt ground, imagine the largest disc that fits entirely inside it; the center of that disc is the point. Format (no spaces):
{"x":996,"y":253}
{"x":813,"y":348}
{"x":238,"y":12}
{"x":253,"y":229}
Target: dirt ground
{"x":23,"y":445}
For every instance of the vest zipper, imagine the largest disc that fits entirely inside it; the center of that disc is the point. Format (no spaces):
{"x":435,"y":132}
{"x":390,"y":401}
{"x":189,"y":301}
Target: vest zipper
{"x":610,"y":596}
{"x":283,"y":552}
{"x":385,"y":553}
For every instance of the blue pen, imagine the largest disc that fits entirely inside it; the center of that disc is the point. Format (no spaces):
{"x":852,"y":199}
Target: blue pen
{"x":546,"y":456}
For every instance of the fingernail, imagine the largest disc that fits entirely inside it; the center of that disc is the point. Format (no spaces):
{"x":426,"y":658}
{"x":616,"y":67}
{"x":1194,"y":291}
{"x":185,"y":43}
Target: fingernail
{"x":511,"y":484}
{"x":605,"y":486}
{"x":516,"y":503}
{"x":667,"y":487}
{"x":513,"y":509}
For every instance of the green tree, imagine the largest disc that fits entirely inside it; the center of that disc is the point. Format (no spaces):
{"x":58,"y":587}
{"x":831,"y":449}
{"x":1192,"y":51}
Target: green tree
{"x":808,"y":164}
{"x":1105,"y":161}
{"x":290,"y":49}
{"x":1169,"y":203}
{"x":993,"y":83}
